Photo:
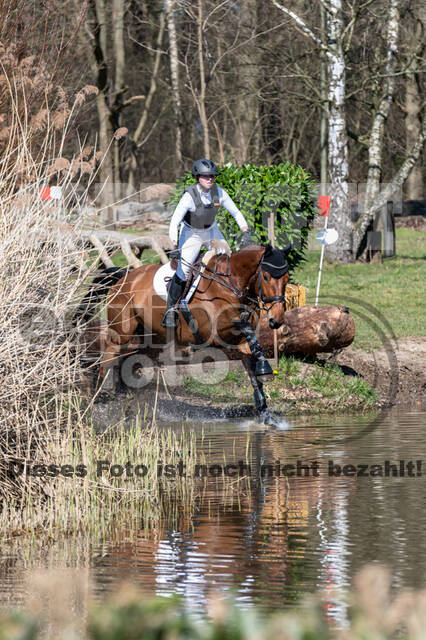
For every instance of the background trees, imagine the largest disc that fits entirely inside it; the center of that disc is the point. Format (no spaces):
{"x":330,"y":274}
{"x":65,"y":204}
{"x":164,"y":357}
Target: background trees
{"x":260,"y":81}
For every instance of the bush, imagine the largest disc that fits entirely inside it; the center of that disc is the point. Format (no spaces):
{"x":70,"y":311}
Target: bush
{"x":285,"y":189}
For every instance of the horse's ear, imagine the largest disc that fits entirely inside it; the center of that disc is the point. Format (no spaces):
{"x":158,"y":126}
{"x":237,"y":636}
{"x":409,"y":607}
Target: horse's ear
{"x":268,"y":250}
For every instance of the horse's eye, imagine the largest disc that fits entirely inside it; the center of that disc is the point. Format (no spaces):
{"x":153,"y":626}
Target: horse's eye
{"x":266,"y":276}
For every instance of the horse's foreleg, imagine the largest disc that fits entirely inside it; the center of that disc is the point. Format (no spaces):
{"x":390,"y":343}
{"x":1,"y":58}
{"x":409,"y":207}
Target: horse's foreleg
{"x":110,"y":353}
{"x":259,"y":397}
{"x":262,"y":367}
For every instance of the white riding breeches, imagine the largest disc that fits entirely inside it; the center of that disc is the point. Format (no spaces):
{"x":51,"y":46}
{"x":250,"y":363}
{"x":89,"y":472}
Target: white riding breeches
{"x":190,"y":242}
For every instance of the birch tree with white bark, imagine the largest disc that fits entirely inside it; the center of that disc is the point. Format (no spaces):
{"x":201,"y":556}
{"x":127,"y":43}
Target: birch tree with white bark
{"x":174,"y":76}
{"x":351,"y":235}
{"x":338,"y":155}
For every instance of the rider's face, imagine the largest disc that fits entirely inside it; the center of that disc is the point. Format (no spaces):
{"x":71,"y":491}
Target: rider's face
{"x":206,"y":181}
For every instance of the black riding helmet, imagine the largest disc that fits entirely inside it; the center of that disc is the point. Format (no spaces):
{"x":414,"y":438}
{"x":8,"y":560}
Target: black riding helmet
{"x":204,"y":167}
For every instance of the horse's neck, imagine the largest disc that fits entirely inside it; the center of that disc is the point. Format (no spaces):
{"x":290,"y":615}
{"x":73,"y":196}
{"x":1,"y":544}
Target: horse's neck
{"x":243,"y":265}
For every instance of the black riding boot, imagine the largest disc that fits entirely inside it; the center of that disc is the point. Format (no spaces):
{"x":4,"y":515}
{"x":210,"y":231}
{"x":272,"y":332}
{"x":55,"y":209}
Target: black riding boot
{"x":171,"y":317}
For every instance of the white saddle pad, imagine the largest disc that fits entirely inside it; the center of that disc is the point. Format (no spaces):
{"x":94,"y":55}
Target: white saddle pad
{"x":166,"y":273}
{"x":162,"y":277}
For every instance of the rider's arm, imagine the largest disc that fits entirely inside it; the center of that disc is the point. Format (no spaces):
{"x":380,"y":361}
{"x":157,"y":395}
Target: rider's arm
{"x":183,"y":205}
{"x":229,"y":204}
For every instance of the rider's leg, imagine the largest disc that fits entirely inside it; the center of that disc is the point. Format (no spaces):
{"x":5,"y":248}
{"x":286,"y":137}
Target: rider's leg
{"x":189,"y":244}
{"x":177,"y":286}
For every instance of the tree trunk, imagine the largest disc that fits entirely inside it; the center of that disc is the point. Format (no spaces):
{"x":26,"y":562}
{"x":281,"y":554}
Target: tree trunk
{"x":337,"y":139}
{"x":119,"y":56}
{"x":174,"y":74}
{"x":414,"y":184}
{"x":375,"y":148}
{"x":144,"y":117}
{"x":107,"y":195}
{"x":413,"y":107}
{"x":97,"y":27}
{"x":247,"y":138}
{"x":202,"y":92}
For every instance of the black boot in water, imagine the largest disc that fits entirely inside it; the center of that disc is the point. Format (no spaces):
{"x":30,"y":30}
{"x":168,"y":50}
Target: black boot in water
{"x":171,"y":317}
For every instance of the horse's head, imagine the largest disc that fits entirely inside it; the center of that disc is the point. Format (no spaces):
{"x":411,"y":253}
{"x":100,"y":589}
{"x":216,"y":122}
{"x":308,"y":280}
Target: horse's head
{"x":269,"y":286}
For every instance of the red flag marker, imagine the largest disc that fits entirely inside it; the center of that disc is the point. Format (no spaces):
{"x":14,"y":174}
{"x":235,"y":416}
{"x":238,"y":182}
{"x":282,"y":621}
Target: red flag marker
{"x":45,"y":193}
{"x":324,"y":206}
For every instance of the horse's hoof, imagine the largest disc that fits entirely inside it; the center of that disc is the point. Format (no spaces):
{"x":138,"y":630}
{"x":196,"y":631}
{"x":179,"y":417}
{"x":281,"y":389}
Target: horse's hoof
{"x":266,"y":378}
{"x":263,"y":368}
{"x":268,"y":418}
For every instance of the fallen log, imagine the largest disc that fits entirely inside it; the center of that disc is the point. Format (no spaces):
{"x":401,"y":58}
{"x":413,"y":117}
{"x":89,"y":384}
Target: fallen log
{"x":308,"y":330}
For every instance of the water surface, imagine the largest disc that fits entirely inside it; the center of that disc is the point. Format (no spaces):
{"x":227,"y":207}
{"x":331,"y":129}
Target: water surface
{"x":270,"y":541}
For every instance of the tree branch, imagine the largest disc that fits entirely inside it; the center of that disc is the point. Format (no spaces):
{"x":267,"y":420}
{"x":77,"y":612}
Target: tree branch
{"x":302,"y":25}
{"x":360,"y":227}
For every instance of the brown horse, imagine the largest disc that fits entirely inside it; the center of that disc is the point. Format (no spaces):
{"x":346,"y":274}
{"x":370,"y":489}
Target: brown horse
{"x":225,"y":307}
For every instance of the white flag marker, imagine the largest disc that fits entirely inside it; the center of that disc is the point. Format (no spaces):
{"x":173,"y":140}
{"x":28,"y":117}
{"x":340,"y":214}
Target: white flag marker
{"x":324,"y":237}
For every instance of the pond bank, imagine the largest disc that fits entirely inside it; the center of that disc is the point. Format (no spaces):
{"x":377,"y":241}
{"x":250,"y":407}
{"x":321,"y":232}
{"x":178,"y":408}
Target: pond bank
{"x":397,"y":374}
{"x":353,"y":380}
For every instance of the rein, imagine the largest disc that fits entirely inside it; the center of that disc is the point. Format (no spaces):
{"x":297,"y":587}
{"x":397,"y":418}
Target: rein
{"x":242,"y":294}
{"x":215,"y":275}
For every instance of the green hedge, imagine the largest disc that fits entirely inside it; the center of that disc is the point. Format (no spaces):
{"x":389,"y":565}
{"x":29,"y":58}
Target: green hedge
{"x":285,"y":189}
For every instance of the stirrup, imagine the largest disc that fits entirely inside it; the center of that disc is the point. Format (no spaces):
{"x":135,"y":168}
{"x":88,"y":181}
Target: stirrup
{"x":170,"y":319}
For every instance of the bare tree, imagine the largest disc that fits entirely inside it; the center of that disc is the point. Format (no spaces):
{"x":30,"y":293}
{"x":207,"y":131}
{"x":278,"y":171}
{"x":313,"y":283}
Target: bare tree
{"x":375,"y":147}
{"x":338,"y":154}
{"x":351,"y":236}
{"x":119,"y":88}
{"x":137,"y":143}
{"x":201,"y":94}
{"x":174,"y":75}
{"x":413,"y":102}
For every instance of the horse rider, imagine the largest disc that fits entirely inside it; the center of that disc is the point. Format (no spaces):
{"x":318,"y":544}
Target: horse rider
{"x":197,"y":210}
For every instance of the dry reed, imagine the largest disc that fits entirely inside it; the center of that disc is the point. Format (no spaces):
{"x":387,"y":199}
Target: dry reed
{"x":42,"y":419}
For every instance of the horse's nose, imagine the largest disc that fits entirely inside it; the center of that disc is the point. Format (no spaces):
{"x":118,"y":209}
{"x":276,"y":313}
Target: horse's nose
{"x":274,"y":324}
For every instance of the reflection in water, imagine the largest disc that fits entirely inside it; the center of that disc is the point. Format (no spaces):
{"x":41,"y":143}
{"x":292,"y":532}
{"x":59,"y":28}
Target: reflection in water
{"x":272,"y":540}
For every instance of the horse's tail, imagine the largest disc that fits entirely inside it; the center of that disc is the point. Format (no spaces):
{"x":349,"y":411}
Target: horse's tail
{"x":99,"y":289}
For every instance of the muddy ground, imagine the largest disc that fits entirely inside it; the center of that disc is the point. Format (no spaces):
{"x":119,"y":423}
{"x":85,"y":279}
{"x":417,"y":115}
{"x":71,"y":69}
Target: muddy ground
{"x":397,"y":374}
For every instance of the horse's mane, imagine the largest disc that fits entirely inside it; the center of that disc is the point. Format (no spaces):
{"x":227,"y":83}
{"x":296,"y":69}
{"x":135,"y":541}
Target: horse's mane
{"x":221,"y":263}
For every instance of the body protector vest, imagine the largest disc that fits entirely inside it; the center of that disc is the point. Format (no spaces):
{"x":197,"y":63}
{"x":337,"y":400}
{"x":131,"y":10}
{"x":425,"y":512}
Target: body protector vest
{"x":204,"y":214}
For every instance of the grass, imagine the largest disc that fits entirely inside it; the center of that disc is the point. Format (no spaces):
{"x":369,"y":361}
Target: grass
{"x":297,"y":386}
{"x":148,"y":257}
{"x":225,"y":389}
{"x":376,"y":294}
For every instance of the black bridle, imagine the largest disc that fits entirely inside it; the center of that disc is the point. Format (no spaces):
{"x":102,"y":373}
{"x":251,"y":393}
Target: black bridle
{"x":225,"y":280}
{"x":271,"y":299}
